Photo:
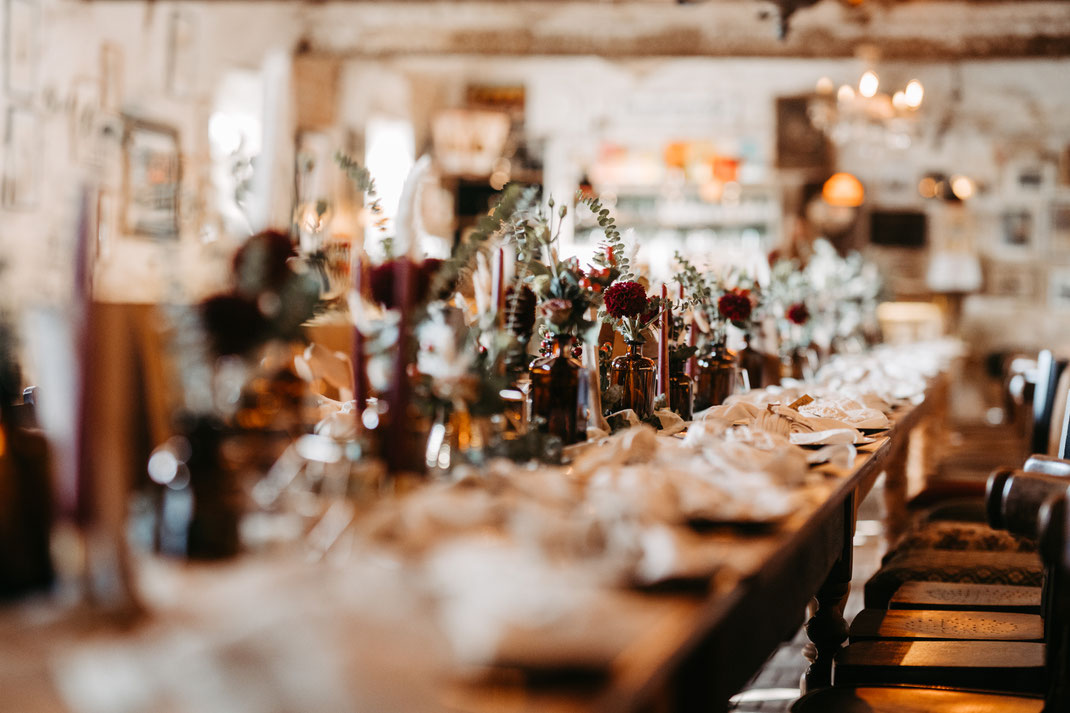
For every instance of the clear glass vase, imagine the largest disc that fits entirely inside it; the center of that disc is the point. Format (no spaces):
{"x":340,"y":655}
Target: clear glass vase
{"x":635,"y":374}
{"x":559,"y":390}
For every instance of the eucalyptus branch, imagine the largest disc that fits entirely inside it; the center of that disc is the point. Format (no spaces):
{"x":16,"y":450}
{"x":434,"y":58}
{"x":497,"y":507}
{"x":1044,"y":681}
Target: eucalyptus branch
{"x":514,"y":200}
{"x":362,"y":179}
{"x":611,"y":250}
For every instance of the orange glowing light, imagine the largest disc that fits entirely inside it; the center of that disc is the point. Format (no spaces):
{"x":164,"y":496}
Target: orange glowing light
{"x":843,"y":191}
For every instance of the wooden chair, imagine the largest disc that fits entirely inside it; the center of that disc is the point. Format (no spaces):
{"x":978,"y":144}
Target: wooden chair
{"x":1012,"y":501}
{"x":966,"y":649}
{"x":1055,"y":548}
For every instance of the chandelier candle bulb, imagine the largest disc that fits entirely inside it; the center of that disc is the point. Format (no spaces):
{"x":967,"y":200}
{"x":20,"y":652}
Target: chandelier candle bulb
{"x":914,"y":93}
{"x":868,"y":84}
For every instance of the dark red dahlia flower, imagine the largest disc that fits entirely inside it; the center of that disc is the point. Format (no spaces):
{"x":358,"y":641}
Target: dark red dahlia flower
{"x":798,"y":313}
{"x":626,"y":299}
{"x":735,"y":305}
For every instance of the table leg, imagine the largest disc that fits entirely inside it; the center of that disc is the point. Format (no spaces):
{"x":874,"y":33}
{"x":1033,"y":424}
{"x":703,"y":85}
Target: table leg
{"x":895,"y":496}
{"x":827,"y":629}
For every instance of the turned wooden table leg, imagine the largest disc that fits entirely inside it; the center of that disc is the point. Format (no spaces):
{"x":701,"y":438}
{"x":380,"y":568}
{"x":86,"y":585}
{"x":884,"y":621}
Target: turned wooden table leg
{"x":895,"y":496}
{"x":827,"y":629}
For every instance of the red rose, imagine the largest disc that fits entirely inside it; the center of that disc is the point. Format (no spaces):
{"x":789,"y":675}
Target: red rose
{"x":626,"y":299}
{"x":735,"y":305}
{"x":798,"y":313}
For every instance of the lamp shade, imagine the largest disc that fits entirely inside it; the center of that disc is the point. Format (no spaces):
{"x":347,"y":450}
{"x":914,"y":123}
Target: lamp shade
{"x":843,"y":191}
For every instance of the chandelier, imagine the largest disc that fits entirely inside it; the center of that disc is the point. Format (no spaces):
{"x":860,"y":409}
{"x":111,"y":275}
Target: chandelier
{"x":864,"y":114}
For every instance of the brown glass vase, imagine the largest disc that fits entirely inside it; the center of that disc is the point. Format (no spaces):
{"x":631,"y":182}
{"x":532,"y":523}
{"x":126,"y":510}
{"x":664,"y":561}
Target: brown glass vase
{"x":557,"y":382}
{"x":681,"y":391}
{"x":634,"y":373}
{"x":753,"y":362}
{"x":716,"y":375}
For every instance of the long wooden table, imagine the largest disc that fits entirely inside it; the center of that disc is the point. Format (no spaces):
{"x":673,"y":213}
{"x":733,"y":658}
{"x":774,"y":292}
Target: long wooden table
{"x":692,"y":651}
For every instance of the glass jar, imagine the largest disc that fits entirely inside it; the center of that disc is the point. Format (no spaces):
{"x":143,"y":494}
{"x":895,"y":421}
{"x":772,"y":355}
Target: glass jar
{"x":717,"y":373}
{"x":634,"y":373}
{"x":557,"y":383}
{"x":681,"y":391}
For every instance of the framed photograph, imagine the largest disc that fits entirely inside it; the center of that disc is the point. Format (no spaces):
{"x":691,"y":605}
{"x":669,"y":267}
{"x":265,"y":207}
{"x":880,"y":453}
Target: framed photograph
{"x":1064,"y":166}
{"x":181,"y":79}
{"x":1029,"y":177}
{"x":152,"y":178}
{"x":799,"y":144}
{"x":1017,"y":230}
{"x":22,"y":160}
{"x":1059,"y":229}
{"x":22,"y":19}
{"x":1011,"y":279}
{"x":1059,"y":288}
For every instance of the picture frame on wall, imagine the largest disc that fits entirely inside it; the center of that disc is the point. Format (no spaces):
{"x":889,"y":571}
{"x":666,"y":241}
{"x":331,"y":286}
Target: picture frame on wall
{"x":1059,"y":228}
{"x":1017,"y":230}
{"x":1011,"y":279}
{"x":1059,"y":288}
{"x":22,"y":48}
{"x":20,"y":187}
{"x":152,"y":179}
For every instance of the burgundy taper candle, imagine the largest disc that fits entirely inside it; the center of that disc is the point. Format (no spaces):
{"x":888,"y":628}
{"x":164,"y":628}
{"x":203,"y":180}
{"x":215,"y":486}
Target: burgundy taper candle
{"x":663,"y":347}
{"x":499,"y":288}
{"x":397,"y":455}
{"x":360,"y":374}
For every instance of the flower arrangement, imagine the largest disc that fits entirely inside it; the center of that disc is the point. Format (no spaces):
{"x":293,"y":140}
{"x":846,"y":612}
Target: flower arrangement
{"x":271,"y":297}
{"x":630,"y":310}
{"x":736,"y":305}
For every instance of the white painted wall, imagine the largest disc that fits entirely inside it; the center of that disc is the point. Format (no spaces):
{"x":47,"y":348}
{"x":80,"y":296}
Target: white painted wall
{"x":1007,"y":107}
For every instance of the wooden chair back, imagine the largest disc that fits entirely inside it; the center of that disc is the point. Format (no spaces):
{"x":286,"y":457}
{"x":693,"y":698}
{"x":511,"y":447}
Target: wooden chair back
{"x":1015,"y":499}
{"x":1047,"y":380}
{"x":1054,"y":529}
{"x":1040,"y":463}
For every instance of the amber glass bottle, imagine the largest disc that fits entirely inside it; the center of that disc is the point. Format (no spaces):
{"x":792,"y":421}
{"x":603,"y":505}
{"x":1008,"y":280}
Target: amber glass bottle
{"x":635,"y":374}
{"x":681,"y":390}
{"x":753,"y":362}
{"x":717,"y":372}
{"x":557,"y":382}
